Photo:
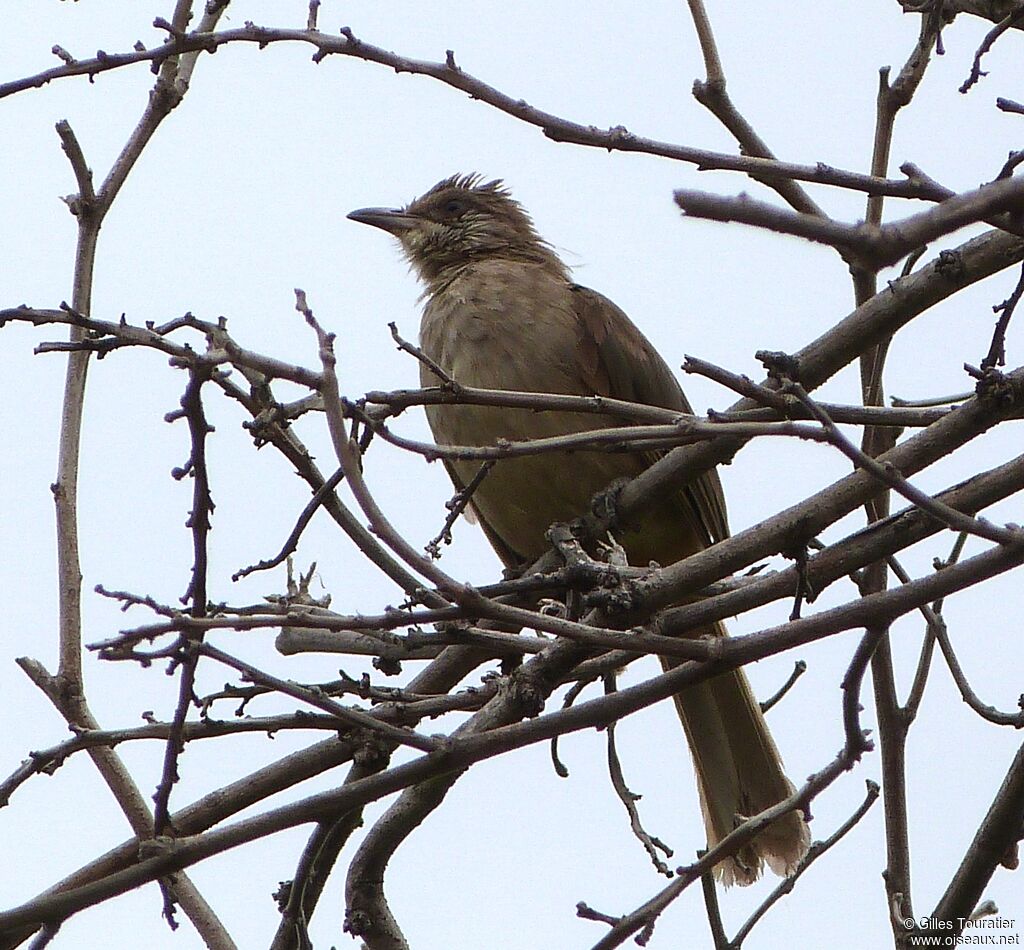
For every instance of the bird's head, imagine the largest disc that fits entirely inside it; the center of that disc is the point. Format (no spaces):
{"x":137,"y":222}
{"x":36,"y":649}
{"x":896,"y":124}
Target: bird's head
{"x":461,"y":220}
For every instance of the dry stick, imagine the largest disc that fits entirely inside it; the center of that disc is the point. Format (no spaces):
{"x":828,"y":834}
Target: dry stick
{"x":47,"y":761}
{"x":413,"y":646}
{"x":834,"y":562}
{"x":712,"y":95}
{"x":292,"y":541}
{"x":887,"y":475}
{"x":348,"y":715}
{"x":456,"y":506}
{"x":344,"y":686}
{"x":817,"y":849}
{"x":924,"y":660}
{"x":891,"y":728}
{"x":415,"y":351}
{"x":799,"y":668}
{"x":1008,"y":105}
{"x":554,"y":127}
{"x":1012,"y":19}
{"x":871,"y":246}
{"x":1007,"y":221}
{"x":643,"y":917}
{"x":120,"y":334}
{"x":400,"y":399}
{"x":938,"y":631}
{"x":997,"y":834}
{"x":996,"y":355}
{"x":66,"y":689}
{"x":373,"y":625}
{"x":686,"y":431}
{"x":468,"y":748}
{"x":315,"y":863}
{"x":652,"y":845}
{"x":741,"y":385}
{"x":714,"y":912}
{"x":187,"y":657}
{"x":818,"y":361}
{"x":933,"y":401}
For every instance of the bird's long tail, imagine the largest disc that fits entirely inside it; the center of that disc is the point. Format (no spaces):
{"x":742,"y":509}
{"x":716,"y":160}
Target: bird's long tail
{"x":739,"y":772}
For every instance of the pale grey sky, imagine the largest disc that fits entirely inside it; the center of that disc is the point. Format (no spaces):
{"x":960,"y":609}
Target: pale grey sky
{"x":242,"y":195}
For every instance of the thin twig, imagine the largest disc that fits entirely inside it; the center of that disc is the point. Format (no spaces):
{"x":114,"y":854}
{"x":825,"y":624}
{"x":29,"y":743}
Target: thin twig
{"x":986,"y":44}
{"x":292,"y":541}
{"x":799,"y":668}
{"x":889,"y":475}
{"x":456,"y":506}
{"x":817,"y":849}
{"x":653,"y":845}
{"x":996,"y":355}
{"x":346,"y":714}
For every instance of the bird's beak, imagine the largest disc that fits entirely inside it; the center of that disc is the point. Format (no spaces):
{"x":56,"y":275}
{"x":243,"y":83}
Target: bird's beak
{"x":393,"y":220}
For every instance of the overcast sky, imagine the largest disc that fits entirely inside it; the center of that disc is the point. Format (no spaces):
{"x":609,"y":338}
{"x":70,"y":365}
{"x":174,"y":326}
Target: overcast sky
{"x":242,"y":196}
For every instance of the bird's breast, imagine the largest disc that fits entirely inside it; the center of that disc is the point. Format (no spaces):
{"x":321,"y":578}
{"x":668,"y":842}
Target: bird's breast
{"x":515,"y":328}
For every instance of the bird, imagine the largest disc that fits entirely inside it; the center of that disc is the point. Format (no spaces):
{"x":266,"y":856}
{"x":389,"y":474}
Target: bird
{"x":503,"y":312}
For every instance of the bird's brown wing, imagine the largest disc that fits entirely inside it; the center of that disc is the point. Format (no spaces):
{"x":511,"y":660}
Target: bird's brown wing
{"x":620,"y":362}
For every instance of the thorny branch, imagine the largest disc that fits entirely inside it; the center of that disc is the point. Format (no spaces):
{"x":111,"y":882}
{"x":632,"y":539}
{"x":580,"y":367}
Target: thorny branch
{"x":591,"y":642}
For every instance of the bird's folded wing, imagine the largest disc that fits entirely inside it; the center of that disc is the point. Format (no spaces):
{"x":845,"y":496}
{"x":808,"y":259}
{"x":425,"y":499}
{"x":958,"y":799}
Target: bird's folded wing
{"x":620,"y":362}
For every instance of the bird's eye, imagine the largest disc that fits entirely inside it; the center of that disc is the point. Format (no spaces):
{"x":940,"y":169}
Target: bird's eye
{"x":453,"y":207}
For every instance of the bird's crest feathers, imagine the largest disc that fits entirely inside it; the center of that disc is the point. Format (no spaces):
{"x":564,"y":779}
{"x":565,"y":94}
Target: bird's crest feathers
{"x":464,"y":219}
